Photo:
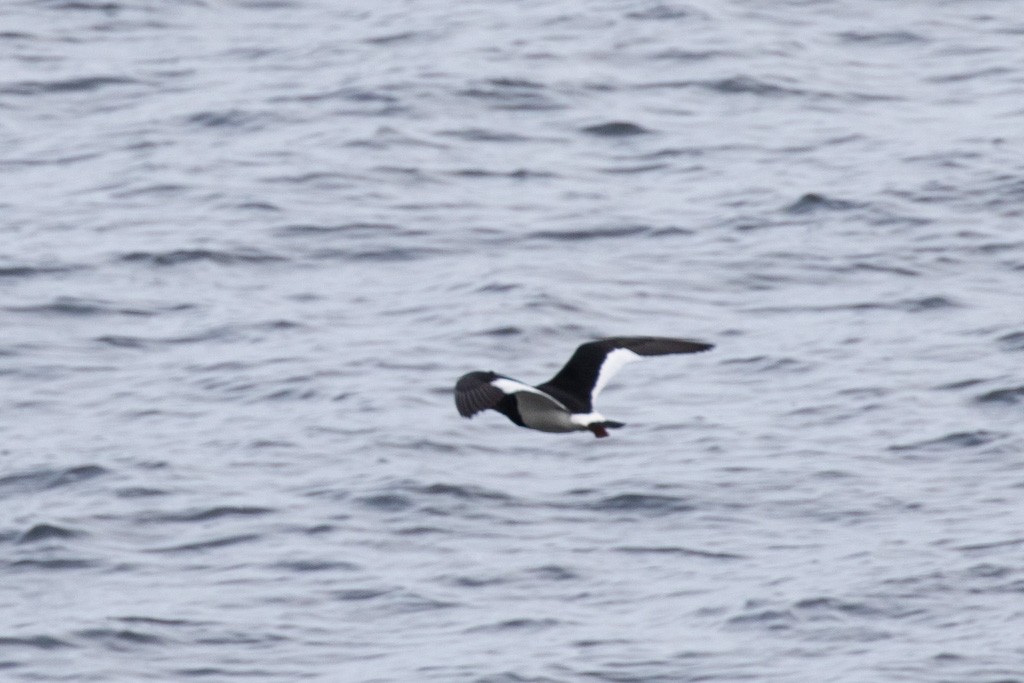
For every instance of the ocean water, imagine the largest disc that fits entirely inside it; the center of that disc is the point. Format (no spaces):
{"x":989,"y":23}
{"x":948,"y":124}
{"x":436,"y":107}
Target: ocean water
{"x":248,"y":246}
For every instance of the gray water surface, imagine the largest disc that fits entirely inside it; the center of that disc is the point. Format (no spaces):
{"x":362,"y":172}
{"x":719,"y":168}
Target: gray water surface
{"x":248,"y":247}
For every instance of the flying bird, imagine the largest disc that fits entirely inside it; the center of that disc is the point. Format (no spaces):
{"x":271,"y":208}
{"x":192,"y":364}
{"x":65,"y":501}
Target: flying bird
{"x":565,"y":403}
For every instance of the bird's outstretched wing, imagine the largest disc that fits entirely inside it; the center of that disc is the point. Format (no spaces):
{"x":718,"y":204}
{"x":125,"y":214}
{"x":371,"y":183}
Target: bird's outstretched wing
{"x":479,"y":390}
{"x":595,"y":363}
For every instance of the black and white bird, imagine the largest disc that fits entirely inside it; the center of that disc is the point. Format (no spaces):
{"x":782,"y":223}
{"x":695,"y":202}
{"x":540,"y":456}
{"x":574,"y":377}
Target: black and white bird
{"x":565,"y":403}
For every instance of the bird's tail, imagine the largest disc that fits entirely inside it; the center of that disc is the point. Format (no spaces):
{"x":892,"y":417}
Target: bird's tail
{"x":600,"y":429}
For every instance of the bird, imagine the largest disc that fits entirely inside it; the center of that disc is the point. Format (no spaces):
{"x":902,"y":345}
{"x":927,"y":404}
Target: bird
{"x":565,"y":403}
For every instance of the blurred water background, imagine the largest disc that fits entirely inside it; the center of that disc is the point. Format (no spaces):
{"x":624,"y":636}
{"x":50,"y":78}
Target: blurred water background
{"x":248,"y":246}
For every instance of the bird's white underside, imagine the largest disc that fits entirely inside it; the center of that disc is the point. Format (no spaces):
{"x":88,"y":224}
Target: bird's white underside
{"x":585,"y":419}
{"x":510,"y":386}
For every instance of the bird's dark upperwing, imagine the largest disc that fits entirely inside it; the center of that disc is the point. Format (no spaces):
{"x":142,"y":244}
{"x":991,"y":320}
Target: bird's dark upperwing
{"x":594,"y":363}
{"x":474,"y":392}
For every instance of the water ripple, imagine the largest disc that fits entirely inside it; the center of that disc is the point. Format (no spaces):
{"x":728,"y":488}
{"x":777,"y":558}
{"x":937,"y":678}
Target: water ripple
{"x":616,"y":129}
{"x":953,"y":441}
{"x":176,"y":257}
{"x":1006,"y":396}
{"x":591,"y":233}
{"x":204,"y":514}
{"x":71,"y":85}
{"x":40,"y":642}
{"x":119,"y":638}
{"x":643,"y":502}
{"x":46,"y":532}
{"x":43,"y":479}
{"x":1012,"y":342}
{"x":812,"y":202}
{"x":215,"y":543}
{"x":677,"y":550}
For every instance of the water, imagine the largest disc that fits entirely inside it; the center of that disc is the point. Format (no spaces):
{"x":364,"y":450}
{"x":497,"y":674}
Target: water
{"x":249,"y":246}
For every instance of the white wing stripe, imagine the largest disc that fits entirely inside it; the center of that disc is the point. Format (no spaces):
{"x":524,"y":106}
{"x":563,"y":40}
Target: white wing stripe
{"x":613,"y":362}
